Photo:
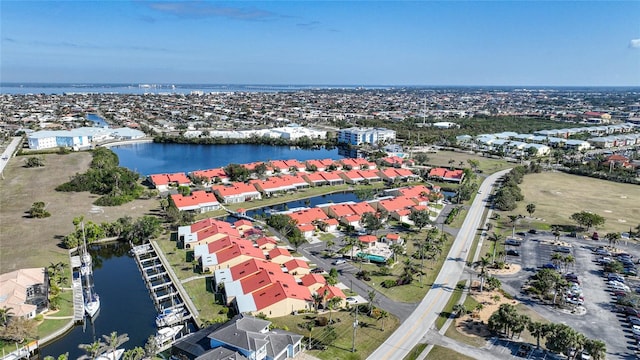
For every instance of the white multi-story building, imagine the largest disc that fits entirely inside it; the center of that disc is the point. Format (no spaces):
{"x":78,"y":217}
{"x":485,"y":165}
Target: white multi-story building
{"x":357,"y":136}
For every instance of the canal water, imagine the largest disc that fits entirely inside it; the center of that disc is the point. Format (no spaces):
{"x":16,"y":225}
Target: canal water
{"x":157,"y":158}
{"x":125,"y":304}
{"x":97,"y":120}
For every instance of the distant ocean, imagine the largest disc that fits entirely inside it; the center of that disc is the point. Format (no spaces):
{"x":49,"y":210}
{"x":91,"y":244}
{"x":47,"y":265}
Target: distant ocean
{"x":49,"y":88}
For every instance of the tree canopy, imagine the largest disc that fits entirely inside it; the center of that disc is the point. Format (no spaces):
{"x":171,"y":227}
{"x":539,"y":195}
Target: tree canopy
{"x":587,"y":219}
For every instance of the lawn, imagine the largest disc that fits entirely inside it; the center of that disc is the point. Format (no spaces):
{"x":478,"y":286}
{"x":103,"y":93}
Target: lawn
{"x":442,"y":353}
{"x":487,"y":165}
{"x":415,"y":352}
{"x":558,"y":195}
{"x":448,"y":308}
{"x":369,"y":333}
{"x":415,"y":291}
{"x":26,"y":242}
{"x":200,"y":292}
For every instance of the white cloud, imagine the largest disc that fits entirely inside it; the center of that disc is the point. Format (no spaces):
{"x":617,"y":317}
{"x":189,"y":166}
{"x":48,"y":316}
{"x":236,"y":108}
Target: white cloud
{"x":634,"y":43}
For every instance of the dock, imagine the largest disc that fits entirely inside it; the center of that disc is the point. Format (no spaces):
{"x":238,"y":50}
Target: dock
{"x":76,"y":287}
{"x":164,"y":287}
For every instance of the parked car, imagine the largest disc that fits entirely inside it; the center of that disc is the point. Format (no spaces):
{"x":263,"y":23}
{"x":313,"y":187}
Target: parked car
{"x":512,"y":252}
{"x":512,"y":242}
{"x":603,"y":252}
{"x":603,"y":260}
{"x":521,"y":233}
{"x":550,"y":266}
{"x":317,"y":271}
{"x":563,"y":249}
{"x":595,"y":236}
{"x":633,"y":320}
{"x":339,"y":262}
{"x":615,"y":277}
{"x":533,"y":231}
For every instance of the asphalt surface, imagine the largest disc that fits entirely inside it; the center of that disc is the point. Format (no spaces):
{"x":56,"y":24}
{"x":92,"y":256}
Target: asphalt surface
{"x":600,"y":320}
{"x":409,"y":333}
{"x":7,"y":154}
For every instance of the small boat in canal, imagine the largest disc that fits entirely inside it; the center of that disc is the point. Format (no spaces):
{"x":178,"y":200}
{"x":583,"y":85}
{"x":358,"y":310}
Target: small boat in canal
{"x":111,"y":355}
{"x":170,"y":317}
{"x":167,"y":334}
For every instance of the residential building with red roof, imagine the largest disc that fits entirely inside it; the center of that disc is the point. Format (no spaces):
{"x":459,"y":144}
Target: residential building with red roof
{"x":162,"y":182}
{"x":266,"y":243}
{"x":443,"y":174}
{"x":328,"y":225}
{"x":357,"y":164}
{"x":352,"y":176}
{"x":329,"y":291}
{"x":199,"y":201}
{"x":392,"y":238}
{"x":204,"y":231}
{"x":297,"y":267}
{"x":393,"y":161}
{"x":279,"y":166}
{"x":279,"y":255}
{"x":320,"y":165}
{"x":295,"y":165}
{"x":313,"y":282}
{"x":212,"y":176}
{"x":315,"y":179}
{"x":275,"y":300}
{"x":393,"y":174}
{"x":237,"y":192}
{"x":230,"y":256}
{"x":272,"y":185}
{"x":368,"y":240}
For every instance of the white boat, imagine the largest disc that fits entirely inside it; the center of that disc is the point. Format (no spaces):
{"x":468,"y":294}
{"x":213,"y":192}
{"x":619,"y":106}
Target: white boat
{"x":167,"y":334}
{"x":140,"y":249}
{"x":170,"y":317}
{"x":111,"y":355}
{"x":91,"y":299}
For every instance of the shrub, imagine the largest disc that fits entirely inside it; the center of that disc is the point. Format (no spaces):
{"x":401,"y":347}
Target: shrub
{"x":389,"y":283}
{"x":322,"y":321}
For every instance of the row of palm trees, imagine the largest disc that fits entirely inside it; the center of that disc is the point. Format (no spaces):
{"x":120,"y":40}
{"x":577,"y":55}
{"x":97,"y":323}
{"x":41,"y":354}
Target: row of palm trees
{"x":559,"y":338}
{"x":110,"y":343}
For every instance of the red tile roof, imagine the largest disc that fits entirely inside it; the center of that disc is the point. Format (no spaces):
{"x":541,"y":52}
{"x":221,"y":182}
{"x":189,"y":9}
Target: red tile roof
{"x":196,"y":198}
{"x":311,"y":279}
{"x":252,"y":266}
{"x":166,"y":179}
{"x":331,"y":291}
{"x":210,"y":174}
{"x":367,"y":238}
{"x":295,"y":264}
{"x":277,"y":292}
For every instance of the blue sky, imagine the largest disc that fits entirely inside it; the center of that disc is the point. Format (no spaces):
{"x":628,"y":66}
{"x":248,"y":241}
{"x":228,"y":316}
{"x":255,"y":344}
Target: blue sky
{"x":556,"y":43}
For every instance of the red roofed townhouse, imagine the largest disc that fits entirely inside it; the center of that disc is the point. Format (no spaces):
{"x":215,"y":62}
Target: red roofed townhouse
{"x":230,"y":256}
{"x":393,"y":161}
{"x":244,"y":269}
{"x":368,"y":241}
{"x":308,"y":216}
{"x":212,"y":176}
{"x":370,"y":175}
{"x":421,"y":193}
{"x":446,"y":175}
{"x":279,"y":255}
{"x":255,"y":282}
{"x":307,"y":230}
{"x":272,"y":185}
{"x":266,"y":243}
{"x":279,"y":166}
{"x":349,"y":213}
{"x":243,"y":226}
{"x":252,"y":167}
{"x":357,"y":163}
{"x":398,"y":208}
{"x":393,"y":174}
{"x":315,"y":179}
{"x":296,"y":180}
{"x":199,"y":201}
{"x":328,"y":225}
{"x":297,"y":267}
{"x":313,"y":282}
{"x":237,"y":192}
{"x":328,"y":292}
{"x":319,"y":165}
{"x":162,"y":182}
{"x":352,"y":177}
{"x":295,"y":165}
{"x":200,"y":231}
{"x":333,"y":178}
{"x":210,"y":247}
{"x":275,"y":300}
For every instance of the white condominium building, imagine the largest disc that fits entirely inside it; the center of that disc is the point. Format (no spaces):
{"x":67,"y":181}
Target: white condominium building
{"x":357,"y":136}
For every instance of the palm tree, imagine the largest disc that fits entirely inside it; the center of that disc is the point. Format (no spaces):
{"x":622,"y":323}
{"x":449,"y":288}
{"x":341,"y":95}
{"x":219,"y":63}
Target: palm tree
{"x":613,"y":238}
{"x":482,"y":264}
{"x":458,"y":309}
{"x":568,"y":260}
{"x":381,"y":316}
{"x":309,"y":325}
{"x":396,"y":249}
{"x":513,"y":219}
{"x":408,"y":271}
{"x":137,"y":353}
{"x":94,"y":349}
{"x":538,"y":330}
{"x":531,"y":208}
{"x":317,"y":300}
{"x":329,"y":244}
{"x":5,"y":315}
{"x":555,"y":229}
{"x":332,"y":304}
{"x":596,"y":348}
{"x":557,"y":259}
{"x":371,"y":295}
{"x":114,"y":340}
{"x":495,"y":238}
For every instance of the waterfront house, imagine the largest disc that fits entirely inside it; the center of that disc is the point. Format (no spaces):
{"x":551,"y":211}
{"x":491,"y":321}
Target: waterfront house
{"x":352,"y":176}
{"x":279,"y":166}
{"x":211,"y":176}
{"x":236,"y":192}
{"x":295,"y":165}
{"x":250,"y":338}
{"x":162,"y":182}
{"x":308,"y":216}
{"x":349,"y":213}
{"x":319,"y":165}
{"x":199,"y":202}
{"x":328,"y":225}
{"x":277,"y":299}
{"x":333,"y":178}
{"x":205,"y":231}
{"x":273,"y":185}
{"x":357,"y":164}
{"x":254,"y":282}
{"x":370,"y":175}
{"x":315,"y":179}
{"x":242,"y":270}
{"x":25,"y":292}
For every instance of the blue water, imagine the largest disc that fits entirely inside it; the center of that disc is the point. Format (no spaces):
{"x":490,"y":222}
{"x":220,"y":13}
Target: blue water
{"x":97,"y":120}
{"x":125,"y":304}
{"x":156,"y":158}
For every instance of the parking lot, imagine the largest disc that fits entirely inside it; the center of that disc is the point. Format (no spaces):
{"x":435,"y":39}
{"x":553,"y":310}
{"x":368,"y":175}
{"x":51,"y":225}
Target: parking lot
{"x":518,"y":350}
{"x":600,"y":320}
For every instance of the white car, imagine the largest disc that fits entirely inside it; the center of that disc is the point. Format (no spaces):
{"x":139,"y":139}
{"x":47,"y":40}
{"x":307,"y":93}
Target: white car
{"x":339,"y":262}
{"x":618,"y":286}
{"x":635,"y":329}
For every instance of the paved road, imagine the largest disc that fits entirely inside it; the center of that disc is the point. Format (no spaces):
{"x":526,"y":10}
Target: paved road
{"x":8,"y":152}
{"x":400,"y":343}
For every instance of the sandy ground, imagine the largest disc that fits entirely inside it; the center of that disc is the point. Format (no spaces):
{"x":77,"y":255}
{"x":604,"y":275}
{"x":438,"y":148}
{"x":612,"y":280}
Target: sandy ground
{"x":26,"y":242}
{"x":512,"y":269}
{"x":470,"y":324}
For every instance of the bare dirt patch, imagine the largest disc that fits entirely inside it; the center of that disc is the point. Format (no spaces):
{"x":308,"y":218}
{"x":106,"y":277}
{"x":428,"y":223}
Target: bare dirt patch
{"x":474,"y":324}
{"x":510,"y":270}
{"x":26,"y":242}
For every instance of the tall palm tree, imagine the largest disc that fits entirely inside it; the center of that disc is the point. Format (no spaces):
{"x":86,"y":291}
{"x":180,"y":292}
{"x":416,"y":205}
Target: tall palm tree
{"x":94,"y":349}
{"x":396,"y":249}
{"x":5,"y":314}
{"x":458,"y":309}
{"x":555,"y":229}
{"x":114,"y":340}
{"x":596,"y":348}
{"x":557,"y":259}
{"x":371,"y":295}
{"x":332,"y":304}
{"x":495,"y":238}
{"x":538,"y":330}
{"x":482,"y":264}
{"x":568,"y":260}
{"x":317,"y":300}
{"x":381,"y":316}
{"x":613,"y":238}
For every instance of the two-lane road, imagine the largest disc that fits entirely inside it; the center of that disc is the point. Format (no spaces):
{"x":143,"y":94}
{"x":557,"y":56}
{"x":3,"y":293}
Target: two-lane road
{"x":411,"y":331}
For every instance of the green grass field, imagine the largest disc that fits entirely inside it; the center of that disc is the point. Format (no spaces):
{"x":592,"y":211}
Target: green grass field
{"x":442,"y":353}
{"x":558,"y":195}
{"x":487,"y":165}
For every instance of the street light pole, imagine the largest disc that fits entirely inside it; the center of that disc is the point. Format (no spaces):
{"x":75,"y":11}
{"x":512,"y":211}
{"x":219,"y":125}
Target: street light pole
{"x":355,"y":326}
